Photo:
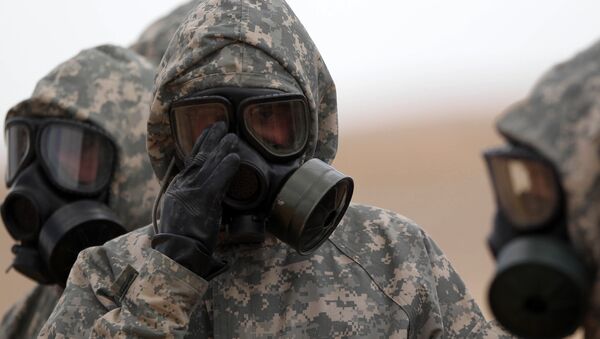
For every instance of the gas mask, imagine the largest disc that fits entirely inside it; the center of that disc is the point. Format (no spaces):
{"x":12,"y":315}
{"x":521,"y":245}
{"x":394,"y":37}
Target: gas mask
{"x":300,"y":203}
{"x":58,"y":176}
{"x":541,"y":286}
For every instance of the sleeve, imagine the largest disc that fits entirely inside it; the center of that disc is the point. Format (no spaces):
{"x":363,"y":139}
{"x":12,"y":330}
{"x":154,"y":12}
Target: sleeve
{"x":461,"y":316}
{"x":154,"y":300}
{"x":26,"y":317}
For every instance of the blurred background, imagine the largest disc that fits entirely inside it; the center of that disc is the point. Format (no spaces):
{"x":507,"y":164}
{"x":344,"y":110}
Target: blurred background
{"x":419,"y":86}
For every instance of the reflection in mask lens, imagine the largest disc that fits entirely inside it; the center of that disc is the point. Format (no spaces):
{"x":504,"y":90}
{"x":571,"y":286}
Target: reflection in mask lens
{"x":191,"y":120}
{"x":527,"y":189}
{"x":280,"y":127}
{"x":18,"y":142}
{"x":76,"y":158}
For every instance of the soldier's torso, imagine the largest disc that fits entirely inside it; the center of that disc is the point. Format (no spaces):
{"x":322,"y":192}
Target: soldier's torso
{"x":26,"y":318}
{"x":271,"y":291}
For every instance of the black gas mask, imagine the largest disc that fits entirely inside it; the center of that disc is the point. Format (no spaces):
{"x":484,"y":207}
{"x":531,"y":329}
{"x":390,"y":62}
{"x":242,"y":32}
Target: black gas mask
{"x":300,"y":203}
{"x":541,"y":287}
{"x":58,"y":176}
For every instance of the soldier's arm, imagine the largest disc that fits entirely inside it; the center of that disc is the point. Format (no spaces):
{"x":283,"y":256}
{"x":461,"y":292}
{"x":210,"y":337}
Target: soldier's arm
{"x":107,"y":297}
{"x":461,"y":316}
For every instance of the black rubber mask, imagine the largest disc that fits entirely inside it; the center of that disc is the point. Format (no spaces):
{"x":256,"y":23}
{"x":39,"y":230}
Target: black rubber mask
{"x":301,"y":204}
{"x":58,"y":176}
{"x":541,"y":286}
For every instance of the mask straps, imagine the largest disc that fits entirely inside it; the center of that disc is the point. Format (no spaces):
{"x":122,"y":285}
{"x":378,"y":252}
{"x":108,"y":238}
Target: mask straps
{"x":163,"y":188}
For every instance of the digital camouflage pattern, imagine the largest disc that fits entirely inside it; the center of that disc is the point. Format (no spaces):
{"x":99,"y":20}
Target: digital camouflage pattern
{"x":560,"y":119}
{"x":153,"y":41}
{"x":378,"y":275}
{"x":26,"y":317}
{"x":110,"y":87}
{"x":237,"y":43}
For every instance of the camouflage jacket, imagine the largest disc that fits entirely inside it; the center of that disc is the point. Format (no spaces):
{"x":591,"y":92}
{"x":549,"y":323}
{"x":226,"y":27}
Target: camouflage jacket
{"x":379,"y":275}
{"x":26,"y":317}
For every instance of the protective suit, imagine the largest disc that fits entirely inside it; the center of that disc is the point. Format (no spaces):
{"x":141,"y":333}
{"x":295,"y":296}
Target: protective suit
{"x":378,"y":274}
{"x":557,"y":124}
{"x":153,"y":41}
{"x":108,"y":88}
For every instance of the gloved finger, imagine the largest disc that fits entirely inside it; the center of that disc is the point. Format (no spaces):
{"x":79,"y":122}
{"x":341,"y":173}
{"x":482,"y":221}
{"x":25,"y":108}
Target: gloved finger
{"x":221,"y":177}
{"x":227,"y":145}
{"x":207,"y":141}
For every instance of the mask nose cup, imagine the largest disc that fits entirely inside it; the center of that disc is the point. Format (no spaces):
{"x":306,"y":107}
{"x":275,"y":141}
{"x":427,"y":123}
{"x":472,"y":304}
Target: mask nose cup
{"x":73,"y":228}
{"x":310,"y":205}
{"x":540,"y":288}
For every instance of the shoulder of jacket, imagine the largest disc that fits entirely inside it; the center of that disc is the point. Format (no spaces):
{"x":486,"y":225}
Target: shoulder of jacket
{"x":392,"y":249}
{"x":367,"y":230}
{"x":110,"y":259}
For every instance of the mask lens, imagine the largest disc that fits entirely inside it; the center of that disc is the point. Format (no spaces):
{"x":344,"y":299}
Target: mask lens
{"x":18,"y":142}
{"x":77,"y":158}
{"x":191,"y":119}
{"x":527,"y":190}
{"x":281,"y":127}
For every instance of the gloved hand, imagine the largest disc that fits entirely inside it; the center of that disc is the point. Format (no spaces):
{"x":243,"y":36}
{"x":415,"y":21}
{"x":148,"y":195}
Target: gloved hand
{"x":191,"y":212}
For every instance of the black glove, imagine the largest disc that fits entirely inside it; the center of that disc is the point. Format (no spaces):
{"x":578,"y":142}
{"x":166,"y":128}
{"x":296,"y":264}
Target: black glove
{"x":191,"y":212}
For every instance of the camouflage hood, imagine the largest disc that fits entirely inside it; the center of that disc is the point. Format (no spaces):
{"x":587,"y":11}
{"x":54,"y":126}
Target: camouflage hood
{"x":561,"y":120}
{"x":243,"y":43}
{"x":109,"y":87}
{"x":153,"y":41}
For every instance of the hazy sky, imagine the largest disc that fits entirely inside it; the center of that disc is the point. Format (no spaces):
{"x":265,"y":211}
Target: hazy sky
{"x":389,"y":58}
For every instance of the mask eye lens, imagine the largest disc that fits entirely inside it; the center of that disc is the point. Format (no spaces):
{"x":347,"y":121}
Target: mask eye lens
{"x":18,"y":142}
{"x":527,"y":190}
{"x":191,"y":119}
{"x":77,"y":158}
{"x":281,"y":127}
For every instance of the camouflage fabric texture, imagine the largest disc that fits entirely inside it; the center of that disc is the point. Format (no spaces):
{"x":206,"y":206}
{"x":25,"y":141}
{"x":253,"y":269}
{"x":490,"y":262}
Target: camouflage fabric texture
{"x":378,"y":275}
{"x":259,"y":44}
{"x":26,"y":317}
{"x":560,"y":119}
{"x":153,"y":41}
{"x":109,"y":87}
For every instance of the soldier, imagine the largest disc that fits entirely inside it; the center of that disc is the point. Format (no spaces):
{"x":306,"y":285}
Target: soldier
{"x":245,"y":112}
{"x":547,"y":226}
{"x":153,"y":41}
{"x":77,"y":171}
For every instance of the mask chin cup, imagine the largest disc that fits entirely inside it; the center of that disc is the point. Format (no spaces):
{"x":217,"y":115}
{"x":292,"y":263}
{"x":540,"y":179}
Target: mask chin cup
{"x":73,"y":228}
{"x":540,"y":288}
{"x":246,"y":229}
{"x":310,"y":205}
{"x":28,"y":262}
